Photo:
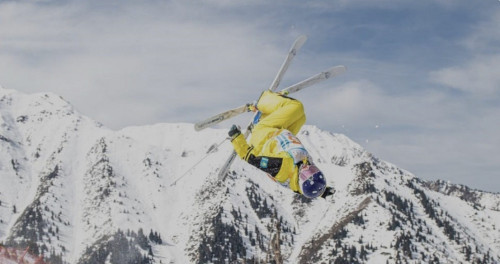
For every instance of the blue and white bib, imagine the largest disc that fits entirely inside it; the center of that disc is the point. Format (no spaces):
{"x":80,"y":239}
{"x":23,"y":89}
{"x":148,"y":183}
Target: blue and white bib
{"x":291,"y":144}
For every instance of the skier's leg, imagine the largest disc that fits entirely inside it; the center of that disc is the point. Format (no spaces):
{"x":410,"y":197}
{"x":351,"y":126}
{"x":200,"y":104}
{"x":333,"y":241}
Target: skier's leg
{"x":277,"y":112}
{"x":295,"y":127}
{"x":280,"y":112}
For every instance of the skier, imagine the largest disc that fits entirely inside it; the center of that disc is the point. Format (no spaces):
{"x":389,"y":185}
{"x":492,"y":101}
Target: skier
{"x":275,"y":149}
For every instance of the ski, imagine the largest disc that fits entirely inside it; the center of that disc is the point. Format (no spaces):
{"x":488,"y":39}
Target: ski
{"x":297,"y":44}
{"x":332,"y":72}
{"x":274,"y":85}
{"x":329,"y":73}
{"x":221,"y":117}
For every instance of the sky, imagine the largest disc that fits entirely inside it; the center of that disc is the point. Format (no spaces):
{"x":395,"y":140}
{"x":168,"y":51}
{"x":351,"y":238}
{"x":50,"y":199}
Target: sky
{"x":422,"y":89}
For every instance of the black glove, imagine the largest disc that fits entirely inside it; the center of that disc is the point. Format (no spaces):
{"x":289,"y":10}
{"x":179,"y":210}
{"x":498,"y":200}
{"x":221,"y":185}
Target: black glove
{"x":234,"y":132}
{"x":328,"y":191}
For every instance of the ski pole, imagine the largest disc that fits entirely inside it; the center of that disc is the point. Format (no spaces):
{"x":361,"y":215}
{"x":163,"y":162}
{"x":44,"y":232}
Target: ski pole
{"x":211,"y":150}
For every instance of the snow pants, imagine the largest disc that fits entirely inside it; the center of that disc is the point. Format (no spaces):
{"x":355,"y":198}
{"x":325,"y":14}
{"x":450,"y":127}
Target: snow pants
{"x":278,"y":112}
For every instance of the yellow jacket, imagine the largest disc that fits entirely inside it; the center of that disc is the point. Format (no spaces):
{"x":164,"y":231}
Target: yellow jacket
{"x":273,"y":147}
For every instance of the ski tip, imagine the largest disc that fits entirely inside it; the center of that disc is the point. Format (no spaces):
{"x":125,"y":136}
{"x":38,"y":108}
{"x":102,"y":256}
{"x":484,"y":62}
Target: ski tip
{"x":300,"y":41}
{"x":337,"y":70}
{"x":302,"y":38}
{"x":198,"y":127}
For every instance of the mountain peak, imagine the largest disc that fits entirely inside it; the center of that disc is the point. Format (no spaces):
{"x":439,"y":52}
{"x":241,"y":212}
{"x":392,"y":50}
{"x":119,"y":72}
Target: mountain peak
{"x":80,"y":193}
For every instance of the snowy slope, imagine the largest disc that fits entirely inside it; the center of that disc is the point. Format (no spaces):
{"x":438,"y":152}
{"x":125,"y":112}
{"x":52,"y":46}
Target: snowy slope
{"x":80,"y":193}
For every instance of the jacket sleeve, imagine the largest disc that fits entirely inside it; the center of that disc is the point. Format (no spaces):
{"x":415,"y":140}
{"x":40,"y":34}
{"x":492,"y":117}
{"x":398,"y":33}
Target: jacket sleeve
{"x":280,"y":165}
{"x":241,"y":147}
{"x":268,"y":164}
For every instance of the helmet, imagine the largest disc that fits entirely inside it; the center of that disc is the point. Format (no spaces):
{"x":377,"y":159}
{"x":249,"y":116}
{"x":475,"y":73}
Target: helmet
{"x":311,"y":181}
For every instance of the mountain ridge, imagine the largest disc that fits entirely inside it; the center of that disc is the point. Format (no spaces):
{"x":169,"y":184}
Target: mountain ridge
{"x":81,"y":193}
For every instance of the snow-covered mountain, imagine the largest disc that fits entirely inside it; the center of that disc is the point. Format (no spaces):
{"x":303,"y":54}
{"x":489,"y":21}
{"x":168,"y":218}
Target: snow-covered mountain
{"x":81,"y":193}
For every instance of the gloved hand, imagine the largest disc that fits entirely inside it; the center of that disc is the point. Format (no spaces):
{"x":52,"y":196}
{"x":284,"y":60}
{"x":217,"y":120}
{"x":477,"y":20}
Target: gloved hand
{"x":234,"y":132}
{"x":328,"y":191}
{"x":252,"y":107}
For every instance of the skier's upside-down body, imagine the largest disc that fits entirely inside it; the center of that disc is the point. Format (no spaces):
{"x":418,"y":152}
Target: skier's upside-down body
{"x":275,"y":149}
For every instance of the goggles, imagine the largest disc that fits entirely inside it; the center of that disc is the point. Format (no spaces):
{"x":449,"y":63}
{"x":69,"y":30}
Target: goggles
{"x":307,"y":171}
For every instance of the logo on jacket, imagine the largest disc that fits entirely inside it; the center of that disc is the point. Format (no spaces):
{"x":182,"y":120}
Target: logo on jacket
{"x":291,"y":144}
{"x":264,"y":163}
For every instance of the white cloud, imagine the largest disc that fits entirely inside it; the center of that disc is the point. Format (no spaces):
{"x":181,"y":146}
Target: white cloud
{"x":166,"y":56}
{"x":485,"y":35}
{"x":479,"y":76}
{"x":350,"y":100}
{"x":364,"y":104}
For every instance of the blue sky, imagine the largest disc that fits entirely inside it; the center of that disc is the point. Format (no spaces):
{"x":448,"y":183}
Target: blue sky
{"x":422,"y":89}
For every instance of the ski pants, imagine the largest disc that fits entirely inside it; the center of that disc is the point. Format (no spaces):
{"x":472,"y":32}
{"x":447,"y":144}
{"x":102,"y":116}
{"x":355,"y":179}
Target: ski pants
{"x":278,"y":112}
